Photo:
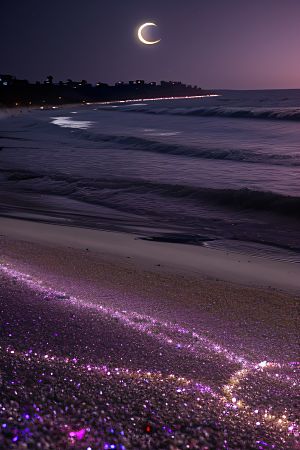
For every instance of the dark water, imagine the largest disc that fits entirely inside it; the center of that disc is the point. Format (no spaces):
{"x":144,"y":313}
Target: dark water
{"x":222,"y":172}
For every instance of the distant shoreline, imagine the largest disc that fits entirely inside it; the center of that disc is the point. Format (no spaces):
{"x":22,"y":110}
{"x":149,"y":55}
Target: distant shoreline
{"x":60,"y":106}
{"x":14,"y":92}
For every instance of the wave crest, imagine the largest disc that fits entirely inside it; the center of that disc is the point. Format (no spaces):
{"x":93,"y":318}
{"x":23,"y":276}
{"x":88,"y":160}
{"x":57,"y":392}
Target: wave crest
{"x":288,"y":113}
{"x":240,"y":155}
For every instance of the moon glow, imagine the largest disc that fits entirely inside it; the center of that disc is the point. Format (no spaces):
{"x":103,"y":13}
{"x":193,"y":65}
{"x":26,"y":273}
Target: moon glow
{"x":140,"y":34}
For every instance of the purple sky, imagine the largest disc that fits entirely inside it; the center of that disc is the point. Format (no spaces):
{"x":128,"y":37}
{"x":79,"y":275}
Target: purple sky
{"x":216,"y":44}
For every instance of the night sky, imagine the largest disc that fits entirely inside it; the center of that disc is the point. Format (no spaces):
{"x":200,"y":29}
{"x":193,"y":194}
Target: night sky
{"x":215,"y":44}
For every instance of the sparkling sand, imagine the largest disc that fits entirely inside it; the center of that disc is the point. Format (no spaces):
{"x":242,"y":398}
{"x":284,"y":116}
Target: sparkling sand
{"x":108,"y":351}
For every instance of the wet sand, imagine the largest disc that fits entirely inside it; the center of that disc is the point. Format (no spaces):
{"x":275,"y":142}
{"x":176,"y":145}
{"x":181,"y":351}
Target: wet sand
{"x":129,"y":321}
{"x":233,"y":267}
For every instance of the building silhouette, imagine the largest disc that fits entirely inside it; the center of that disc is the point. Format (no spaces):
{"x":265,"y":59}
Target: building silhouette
{"x":14,"y":92}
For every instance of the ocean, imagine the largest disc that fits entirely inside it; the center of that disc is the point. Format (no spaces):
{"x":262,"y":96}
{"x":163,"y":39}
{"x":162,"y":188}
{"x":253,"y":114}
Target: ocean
{"x":217,"y":171}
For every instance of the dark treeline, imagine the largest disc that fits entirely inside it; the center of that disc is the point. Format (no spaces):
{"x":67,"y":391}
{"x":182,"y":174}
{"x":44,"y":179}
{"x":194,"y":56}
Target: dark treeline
{"x":14,"y":92}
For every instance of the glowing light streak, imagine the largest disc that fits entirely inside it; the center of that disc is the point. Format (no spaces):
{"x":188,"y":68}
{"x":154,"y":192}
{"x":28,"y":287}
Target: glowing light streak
{"x":153,"y":99}
{"x":132,"y":319}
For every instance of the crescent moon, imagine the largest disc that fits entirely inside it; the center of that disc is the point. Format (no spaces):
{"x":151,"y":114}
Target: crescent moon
{"x":140,"y":34}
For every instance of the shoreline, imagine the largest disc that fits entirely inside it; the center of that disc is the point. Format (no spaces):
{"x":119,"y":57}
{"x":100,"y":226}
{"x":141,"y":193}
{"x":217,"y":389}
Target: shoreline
{"x":88,"y":103}
{"x":96,"y":341}
{"x":218,"y":264}
{"x":110,"y":340}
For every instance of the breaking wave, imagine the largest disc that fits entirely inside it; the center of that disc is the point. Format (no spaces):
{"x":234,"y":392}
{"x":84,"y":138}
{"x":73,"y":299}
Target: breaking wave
{"x":118,"y":193}
{"x":288,"y":113}
{"x":148,"y":145}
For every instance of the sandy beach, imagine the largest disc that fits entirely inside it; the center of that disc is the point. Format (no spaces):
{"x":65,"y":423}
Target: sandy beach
{"x":233,"y":267}
{"x":138,"y":344}
{"x":149,"y":225}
